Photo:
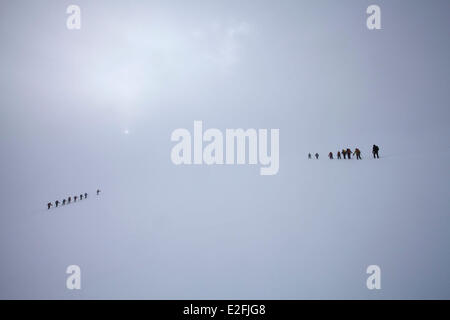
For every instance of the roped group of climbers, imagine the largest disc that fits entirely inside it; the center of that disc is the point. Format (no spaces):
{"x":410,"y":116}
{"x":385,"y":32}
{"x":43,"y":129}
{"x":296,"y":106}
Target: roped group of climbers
{"x":69,"y":200}
{"x":347,"y":153}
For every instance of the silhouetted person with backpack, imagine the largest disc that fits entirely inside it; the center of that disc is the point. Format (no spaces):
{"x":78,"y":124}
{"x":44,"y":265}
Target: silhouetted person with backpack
{"x":98,"y":191}
{"x":85,"y":195}
{"x":357,"y":153}
{"x":339,"y":155}
{"x":68,"y":200}
{"x":309,"y":155}
{"x":344,"y":153}
{"x":75,"y":199}
{"x":375,"y":150}
{"x":49,"y":205}
{"x":349,"y":153}
{"x":56,"y":203}
{"x":64,"y":202}
{"x":81,"y":197}
{"x":330,"y":155}
{"x":317,"y":156}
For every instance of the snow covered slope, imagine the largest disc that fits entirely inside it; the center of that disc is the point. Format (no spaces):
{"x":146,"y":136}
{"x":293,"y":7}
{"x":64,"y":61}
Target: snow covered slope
{"x":309,"y":232}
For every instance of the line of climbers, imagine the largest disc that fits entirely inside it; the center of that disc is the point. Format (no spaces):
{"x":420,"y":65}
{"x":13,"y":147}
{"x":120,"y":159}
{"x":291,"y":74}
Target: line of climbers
{"x":69,"y":200}
{"x":347,"y":153}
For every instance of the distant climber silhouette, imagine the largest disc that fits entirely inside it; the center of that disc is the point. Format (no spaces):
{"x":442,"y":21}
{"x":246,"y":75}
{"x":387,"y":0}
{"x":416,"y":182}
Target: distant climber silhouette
{"x":75,"y":199}
{"x":316,"y":155}
{"x":98,"y":191}
{"x":344,"y":153}
{"x":69,"y":199}
{"x":56,"y":203}
{"x":64,"y":201}
{"x":358,"y":154}
{"x":49,"y":205}
{"x":349,"y":153}
{"x":85,"y":195}
{"x":330,"y":155}
{"x":81,"y":197}
{"x":375,"y":150}
{"x":339,"y":155}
